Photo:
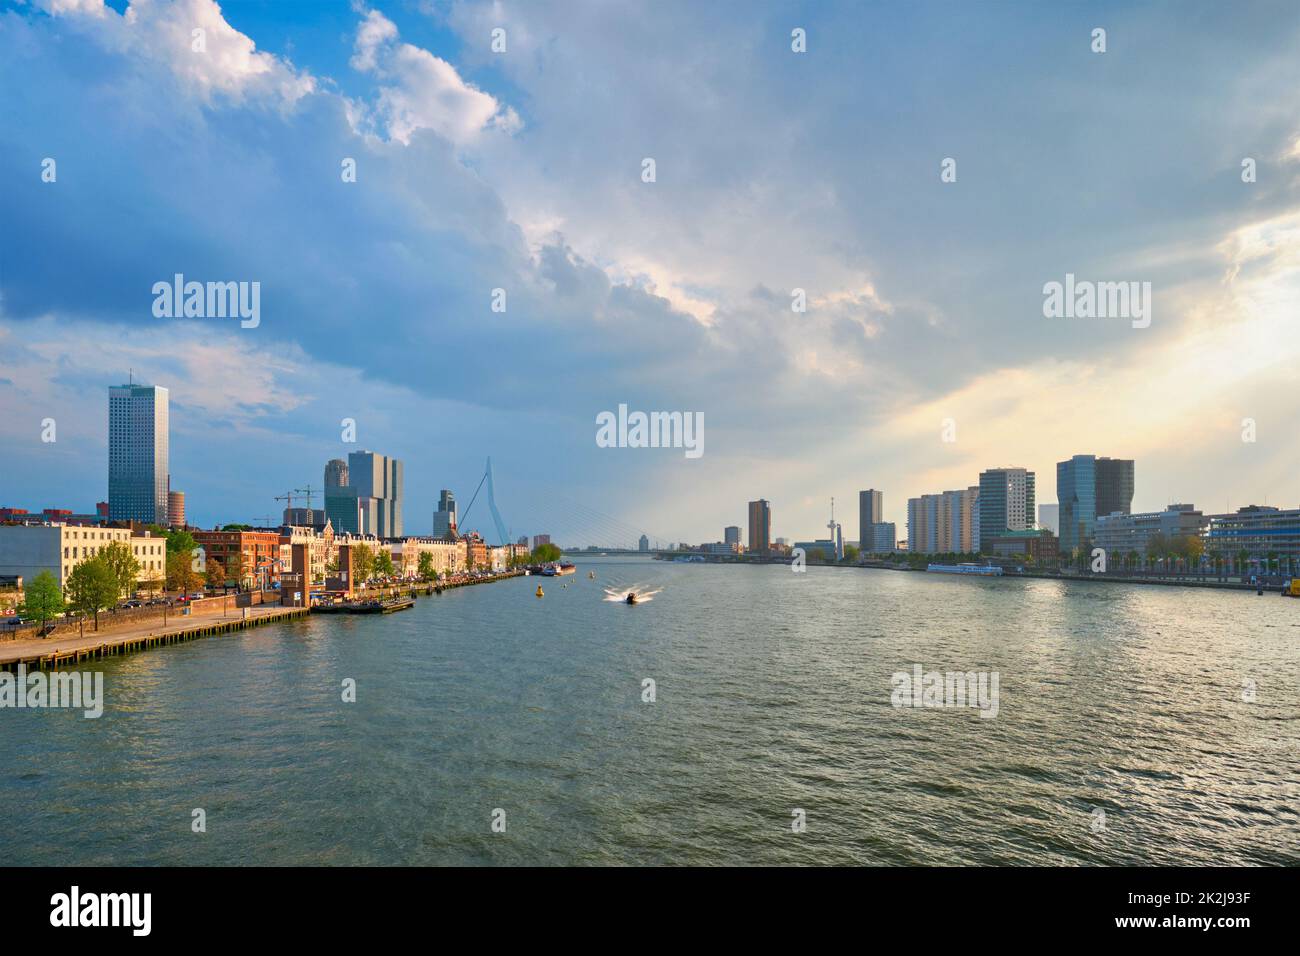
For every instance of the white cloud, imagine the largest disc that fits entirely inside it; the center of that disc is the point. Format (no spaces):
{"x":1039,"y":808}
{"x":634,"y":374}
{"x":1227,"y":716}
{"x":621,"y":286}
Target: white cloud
{"x":227,"y":62}
{"x":422,"y":91}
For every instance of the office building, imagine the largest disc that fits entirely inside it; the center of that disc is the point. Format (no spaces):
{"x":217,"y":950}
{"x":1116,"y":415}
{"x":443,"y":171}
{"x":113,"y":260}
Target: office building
{"x":1264,"y":533}
{"x":540,"y":539}
{"x":1040,"y":547}
{"x":444,"y":519}
{"x":731,"y":535}
{"x":336,"y":474}
{"x":370,"y":501}
{"x":1088,"y":487}
{"x":883,"y":536}
{"x":1114,"y":486}
{"x":138,"y":425}
{"x":1122,"y":534}
{"x":760,"y":526}
{"x":643,"y":544}
{"x":1006,"y":503}
{"x":870,"y":512}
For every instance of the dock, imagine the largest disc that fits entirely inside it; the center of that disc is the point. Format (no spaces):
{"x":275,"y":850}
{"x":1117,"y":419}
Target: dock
{"x":69,"y":650}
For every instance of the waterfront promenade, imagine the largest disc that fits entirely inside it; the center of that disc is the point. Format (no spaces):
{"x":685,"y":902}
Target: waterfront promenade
{"x":73,"y":649}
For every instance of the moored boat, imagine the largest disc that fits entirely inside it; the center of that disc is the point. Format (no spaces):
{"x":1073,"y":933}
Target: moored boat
{"x":987,"y":570}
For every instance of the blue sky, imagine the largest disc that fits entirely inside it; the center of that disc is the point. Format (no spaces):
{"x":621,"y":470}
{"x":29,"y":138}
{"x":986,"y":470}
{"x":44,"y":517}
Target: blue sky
{"x":775,"y":171}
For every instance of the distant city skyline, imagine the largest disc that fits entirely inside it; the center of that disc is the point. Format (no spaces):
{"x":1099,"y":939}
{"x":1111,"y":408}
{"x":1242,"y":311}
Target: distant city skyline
{"x":922,"y":357}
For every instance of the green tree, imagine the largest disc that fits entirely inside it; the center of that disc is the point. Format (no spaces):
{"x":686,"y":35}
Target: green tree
{"x":181,"y":542}
{"x":425,"y":567}
{"x":42,"y":599}
{"x":181,"y":575}
{"x":363,"y":564}
{"x":851,"y":553}
{"x":215,"y":573}
{"x":92,"y":586}
{"x":123,"y":565}
{"x":546,"y":553}
{"x":384,"y":564}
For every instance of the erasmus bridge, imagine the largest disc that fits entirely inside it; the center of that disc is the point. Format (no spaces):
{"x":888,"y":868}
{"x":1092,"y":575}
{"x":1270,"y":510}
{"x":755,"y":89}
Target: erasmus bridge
{"x":567,"y":521}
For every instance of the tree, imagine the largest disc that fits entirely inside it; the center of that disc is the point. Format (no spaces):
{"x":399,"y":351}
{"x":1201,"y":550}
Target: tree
{"x":92,"y":586}
{"x":123,"y":565}
{"x":384,"y":564}
{"x":42,"y":599}
{"x":850,"y":553}
{"x":237,"y":568}
{"x":546,"y":553}
{"x":363,"y":563}
{"x":425,"y":566}
{"x":181,"y":542}
{"x":181,"y":575}
{"x":216,"y":574}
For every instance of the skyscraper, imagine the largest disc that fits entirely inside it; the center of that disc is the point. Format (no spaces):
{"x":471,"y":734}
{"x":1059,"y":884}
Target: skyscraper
{"x":444,"y":519}
{"x":870,"y":506}
{"x":643,"y":544}
{"x":336,"y":474}
{"x":1006,"y":503}
{"x":138,"y":420}
{"x":371,"y":500}
{"x":1114,"y":486}
{"x":731,"y":534}
{"x":760,"y":526}
{"x":1088,"y":487}
{"x":1076,"y":499}
{"x":377,"y":480}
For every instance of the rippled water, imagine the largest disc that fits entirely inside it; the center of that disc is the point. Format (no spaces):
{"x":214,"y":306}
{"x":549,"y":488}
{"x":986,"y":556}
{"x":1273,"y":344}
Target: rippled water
{"x":773,"y":693}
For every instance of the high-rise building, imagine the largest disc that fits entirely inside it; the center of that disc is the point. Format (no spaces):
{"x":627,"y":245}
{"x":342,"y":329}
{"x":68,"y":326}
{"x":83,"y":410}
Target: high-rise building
{"x":870,"y":508}
{"x":731,"y":534}
{"x":138,"y":419}
{"x":760,"y":526}
{"x":1048,"y":517}
{"x":1076,"y":498}
{"x":1006,"y":503}
{"x":943,"y":523}
{"x":444,"y":519}
{"x":1088,"y":487}
{"x":336,"y":474}
{"x":883,"y":538}
{"x":540,"y":539}
{"x":643,"y":544}
{"x":370,"y":501}
{"x":1114,"y":486}
{"x":176,"y":509}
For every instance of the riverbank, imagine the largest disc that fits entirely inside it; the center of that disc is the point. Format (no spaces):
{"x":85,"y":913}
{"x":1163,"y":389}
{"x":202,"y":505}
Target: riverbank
{"x":70,"y":648}
{"x":1225,"y":584}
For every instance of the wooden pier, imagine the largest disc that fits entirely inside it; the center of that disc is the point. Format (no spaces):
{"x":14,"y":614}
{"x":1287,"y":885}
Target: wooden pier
{"x":79,"y":650}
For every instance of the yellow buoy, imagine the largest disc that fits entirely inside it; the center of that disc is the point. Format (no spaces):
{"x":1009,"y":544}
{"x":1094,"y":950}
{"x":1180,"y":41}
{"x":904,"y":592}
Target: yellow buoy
{"x":539,"y":591}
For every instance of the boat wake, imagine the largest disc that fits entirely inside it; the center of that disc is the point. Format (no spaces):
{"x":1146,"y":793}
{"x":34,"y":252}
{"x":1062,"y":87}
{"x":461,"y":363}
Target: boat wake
{"x":643,"y":594}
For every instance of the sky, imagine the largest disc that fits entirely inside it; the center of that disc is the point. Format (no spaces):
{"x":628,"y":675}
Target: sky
{"x":521,"y":169}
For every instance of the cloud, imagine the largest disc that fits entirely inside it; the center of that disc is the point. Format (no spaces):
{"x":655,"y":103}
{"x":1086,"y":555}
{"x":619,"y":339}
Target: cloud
{"x":421,"y":91}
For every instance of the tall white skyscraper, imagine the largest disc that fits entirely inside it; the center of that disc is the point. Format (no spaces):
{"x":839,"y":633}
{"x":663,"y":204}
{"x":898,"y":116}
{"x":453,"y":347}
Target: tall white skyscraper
{"x":138,"y":419}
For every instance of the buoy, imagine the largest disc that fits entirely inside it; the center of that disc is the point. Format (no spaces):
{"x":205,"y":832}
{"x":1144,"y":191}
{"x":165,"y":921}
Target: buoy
{"x":540,"y":593}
